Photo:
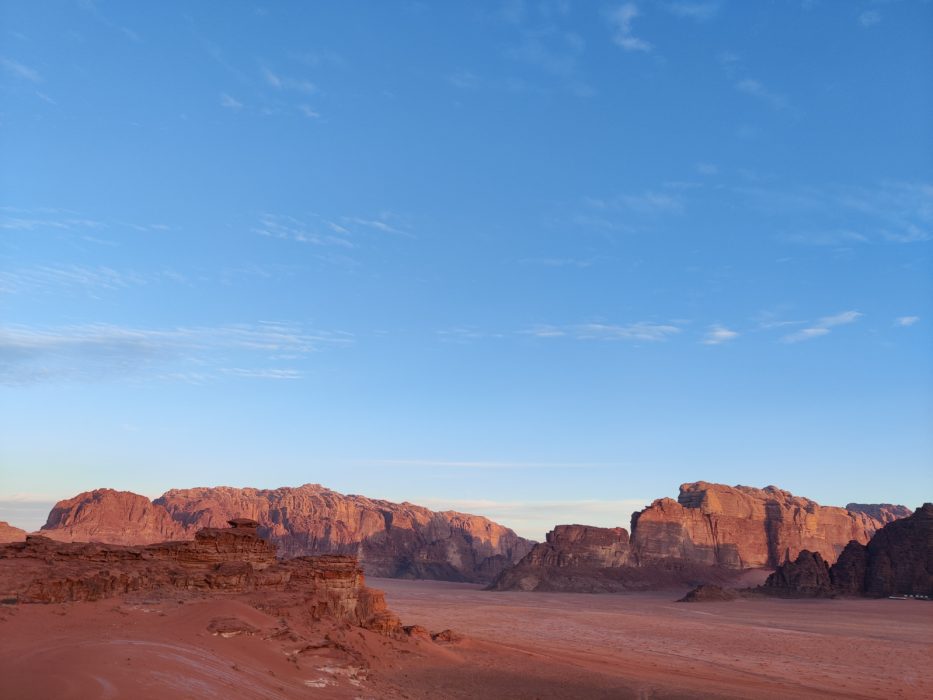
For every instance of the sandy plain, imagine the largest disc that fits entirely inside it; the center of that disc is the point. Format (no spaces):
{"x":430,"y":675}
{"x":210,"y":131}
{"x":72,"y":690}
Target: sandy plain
{"x":516,"y":645}
{"x":647,"y":646}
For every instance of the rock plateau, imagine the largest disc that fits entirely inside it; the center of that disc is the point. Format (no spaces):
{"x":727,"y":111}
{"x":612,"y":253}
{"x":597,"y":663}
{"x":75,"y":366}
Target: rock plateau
{"x":399,"y":540}
{"x":8,"y":533}
{"x":711,"y":534}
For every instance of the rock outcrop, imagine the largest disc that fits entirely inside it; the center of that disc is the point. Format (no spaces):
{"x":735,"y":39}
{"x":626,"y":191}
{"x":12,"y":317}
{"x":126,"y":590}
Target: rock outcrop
{"x":709,"y":594}
{"x":897,"y":561}
{"x":398,"y":540}
{"x":741,"y":527}
{"x":229,"y":560}
{"x":113,"y":517}
{"x":882,"y":512}
{"x":8,"y":533}
{"x":710,"y":535}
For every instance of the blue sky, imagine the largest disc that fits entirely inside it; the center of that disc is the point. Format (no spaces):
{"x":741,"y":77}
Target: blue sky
{"x":543,"y":261}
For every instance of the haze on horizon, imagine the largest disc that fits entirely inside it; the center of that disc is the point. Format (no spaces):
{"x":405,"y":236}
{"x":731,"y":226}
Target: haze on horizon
{"x":540,"y":261}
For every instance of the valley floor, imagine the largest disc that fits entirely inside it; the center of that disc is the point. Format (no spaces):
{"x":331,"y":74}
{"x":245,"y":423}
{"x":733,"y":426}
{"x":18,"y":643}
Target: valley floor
{"x":642,"y":645}
{"x":516,"y":646}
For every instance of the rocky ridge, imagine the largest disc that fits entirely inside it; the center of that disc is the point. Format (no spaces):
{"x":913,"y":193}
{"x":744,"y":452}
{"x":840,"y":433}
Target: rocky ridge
{"x":897,"y":561}
{"x":399,"y":540}
{"x":8,"y":533}
{"x":226,"y":560}
{"x":711,"y":534}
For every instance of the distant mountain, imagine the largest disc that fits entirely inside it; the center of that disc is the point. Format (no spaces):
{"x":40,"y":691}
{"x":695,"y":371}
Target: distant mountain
{"x":398,"y":540}
{"x":710,"y":534}
{"x":884,"y":512}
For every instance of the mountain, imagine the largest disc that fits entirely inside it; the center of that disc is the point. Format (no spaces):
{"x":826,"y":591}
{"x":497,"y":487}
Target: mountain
{"x":8,"y":533}
{"x":897,"y":561}
{"x":884,"y":512}
{"x":398,"y":540}
{"x":711,"y":534}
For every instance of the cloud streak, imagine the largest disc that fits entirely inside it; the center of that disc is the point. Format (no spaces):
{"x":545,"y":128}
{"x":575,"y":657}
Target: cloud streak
{"x":621,"y":20}
{"x":822,"y":327}
{"x":96,"y":352}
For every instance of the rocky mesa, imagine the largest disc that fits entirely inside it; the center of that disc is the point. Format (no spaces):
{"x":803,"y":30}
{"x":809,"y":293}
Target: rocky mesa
{"x":398,"y":540}
{"x":897,"y":561}
{"x":711,"y":534}
{"x":8,"y":533}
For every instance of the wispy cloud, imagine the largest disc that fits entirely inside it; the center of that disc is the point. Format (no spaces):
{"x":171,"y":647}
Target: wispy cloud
{"x":281,"y":82}
{"x":822,"y":327}
{"x":640,"y":331}
{"x":621,"y":20}
{"x":869,"y":18}
{"x":308,"y":112}
{"x":699,"y":11}
{"x":320,"y":232}
{"x":230,"y":102}
{"x":90,"y":280}
{"x":97,"y":352}
{"x":756,"y":89}
{"x":905,"y":321}
{"x":717,"y":335}
{"x":18,"y":70}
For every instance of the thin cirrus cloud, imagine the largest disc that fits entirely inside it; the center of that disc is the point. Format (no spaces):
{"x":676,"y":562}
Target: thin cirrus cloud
{"x":640,"y":331}
{"x":19,"y":70}
{"x":621,"y":20}
{"x":96,"y":352}
{"x":699,"y":11}
{"x":229,"y":102}
{"x":45,"y":278}
{"x":822,"y":327}
{"x":906,"y":321}
{"x":756,"y":89}
{"x":717,"y":335}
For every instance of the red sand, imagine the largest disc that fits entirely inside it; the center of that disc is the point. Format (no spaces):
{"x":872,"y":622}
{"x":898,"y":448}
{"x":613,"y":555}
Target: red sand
{"x":518,"y":645}
{"x":645,"y":645}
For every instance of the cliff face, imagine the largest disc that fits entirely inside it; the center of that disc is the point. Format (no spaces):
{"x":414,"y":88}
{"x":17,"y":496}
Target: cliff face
{"x":113,"y":517}
{"x":232,"y":560}
{"x":742,"y":527}
{"x":389,"y":539}
{"x":8,"y":533}
{"x":897,"y":561}
{"x":709,"y":535}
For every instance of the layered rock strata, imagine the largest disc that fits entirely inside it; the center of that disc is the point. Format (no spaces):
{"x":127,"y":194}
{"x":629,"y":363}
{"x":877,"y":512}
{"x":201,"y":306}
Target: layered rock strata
{"x":398,"y":540}
{"x":710,"y":534}
{"x":897,"y":561}
{"x":227,"y":560}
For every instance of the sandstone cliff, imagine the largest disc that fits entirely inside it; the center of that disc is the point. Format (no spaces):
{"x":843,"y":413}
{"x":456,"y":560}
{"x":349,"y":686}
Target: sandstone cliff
{"x":711,"y":534}
{"x":390,"y":539}
{"x":8,"y":533}
{"x":897,"y":561}
{"x":742,"y":527}
{"x":231,"y":560}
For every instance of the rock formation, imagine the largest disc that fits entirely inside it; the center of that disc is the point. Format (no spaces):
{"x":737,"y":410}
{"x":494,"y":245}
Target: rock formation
{"x":741,"y":527}
{"x":709,"y":594}
{"x":711,"y":534}
{"x":390,"y":539}
{"x":882,"y":512}
{"x":897,"y":561}
{"x":8,"y":533}
{"x":113,"y":517}
{"x":231,"y":560}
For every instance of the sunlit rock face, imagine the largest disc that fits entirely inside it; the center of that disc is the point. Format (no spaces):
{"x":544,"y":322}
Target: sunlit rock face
{"x":743,"y":527}
{"x":399,"y":540}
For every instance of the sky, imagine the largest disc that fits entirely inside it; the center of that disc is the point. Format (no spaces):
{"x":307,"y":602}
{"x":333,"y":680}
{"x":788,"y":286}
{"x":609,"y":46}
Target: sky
{"x":541,"y":261}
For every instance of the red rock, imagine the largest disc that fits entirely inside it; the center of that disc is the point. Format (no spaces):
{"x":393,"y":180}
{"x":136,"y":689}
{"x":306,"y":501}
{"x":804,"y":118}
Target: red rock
{"x":390,"y":539}
{"x":8,"y":533}
{"x":808,"y":575}
{"x":743,"y":527}
{"x":230,"y":560}
{"x":709,"y":594}
{"x":113,"y":517}
{"x":882,"y":512}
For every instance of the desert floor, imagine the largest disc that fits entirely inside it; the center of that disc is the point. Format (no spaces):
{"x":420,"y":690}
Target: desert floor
{"x":516,"y":645}
{"x":646,"y":646}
